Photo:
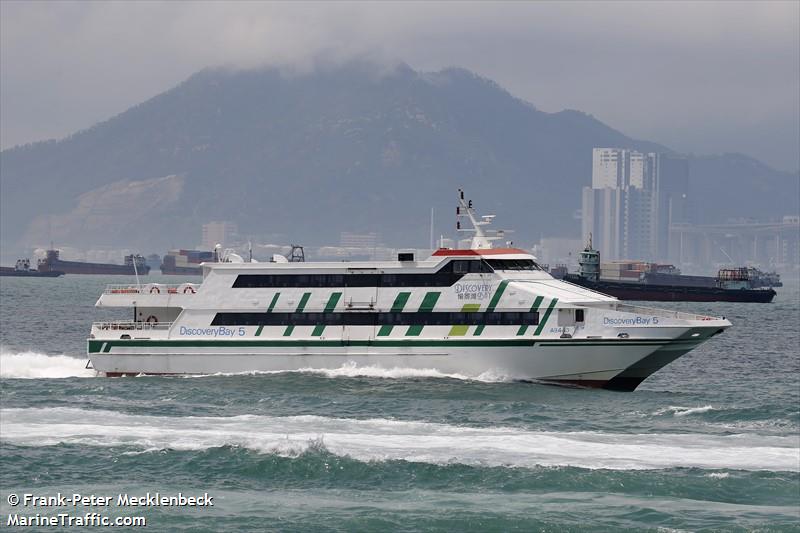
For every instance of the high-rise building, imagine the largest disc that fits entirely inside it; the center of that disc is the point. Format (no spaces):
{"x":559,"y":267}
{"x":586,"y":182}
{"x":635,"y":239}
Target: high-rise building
{"x":633,"y":199}
{"x":218,"y":232}
{"x":601,"y":218}
{"x":359,"y":240}
{"x":673,"y":202}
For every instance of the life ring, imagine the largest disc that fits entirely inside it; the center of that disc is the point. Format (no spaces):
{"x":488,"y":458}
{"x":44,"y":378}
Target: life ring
{"x":155,"y":290}
{"x":189,"y":289}
{"x":152,"y":319}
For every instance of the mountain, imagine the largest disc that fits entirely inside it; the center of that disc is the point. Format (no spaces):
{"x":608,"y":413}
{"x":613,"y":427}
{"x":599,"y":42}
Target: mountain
{"x":347,"y":148}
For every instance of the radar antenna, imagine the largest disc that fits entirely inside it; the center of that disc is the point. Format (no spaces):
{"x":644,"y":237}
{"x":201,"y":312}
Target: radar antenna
{"x":297,"y":255}
{"x":482,"y":238}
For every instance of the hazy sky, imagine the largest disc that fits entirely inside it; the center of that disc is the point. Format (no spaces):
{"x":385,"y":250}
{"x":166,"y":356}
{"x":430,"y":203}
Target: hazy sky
{"x":703,"y":77}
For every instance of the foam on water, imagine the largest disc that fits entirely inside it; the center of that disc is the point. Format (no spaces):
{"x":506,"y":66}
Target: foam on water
{"x":683,"y":411}
{"x":34,"y":365}
{"x":384,"y":439}
{"x":352,"y":370}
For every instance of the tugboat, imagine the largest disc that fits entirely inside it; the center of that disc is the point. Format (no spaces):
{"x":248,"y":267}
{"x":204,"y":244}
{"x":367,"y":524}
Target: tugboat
{"x":627,"y":283}
{"x":22,"y":269}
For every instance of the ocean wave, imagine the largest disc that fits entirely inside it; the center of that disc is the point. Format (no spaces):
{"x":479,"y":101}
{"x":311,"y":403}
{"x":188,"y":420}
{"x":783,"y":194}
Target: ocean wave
{"x":683,"y":411}
{"x":780,"y":425}
{"x":385,"y":439}
{"x":34,"y":365}
{"x":352,"y":370}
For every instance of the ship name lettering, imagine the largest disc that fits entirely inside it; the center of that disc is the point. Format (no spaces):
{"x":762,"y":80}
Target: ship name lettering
{"x":473,"y":291}
{"x":629,"y":321}
{"x":219,"y":331}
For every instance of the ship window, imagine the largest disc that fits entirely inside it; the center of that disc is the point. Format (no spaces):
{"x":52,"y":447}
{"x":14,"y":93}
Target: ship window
{"x":579,"y":315}
{"x":461,"y":266}
{"x":513,"y":264}
{"x":445,"y":277}
{"x":511,"y":318}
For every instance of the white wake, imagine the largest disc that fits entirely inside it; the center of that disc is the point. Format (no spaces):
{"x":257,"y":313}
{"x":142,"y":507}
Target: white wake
{"x":677,"y":410}
{"x":383,"y":439}
{"x":351,"y":369}
{"x":33,"y":365}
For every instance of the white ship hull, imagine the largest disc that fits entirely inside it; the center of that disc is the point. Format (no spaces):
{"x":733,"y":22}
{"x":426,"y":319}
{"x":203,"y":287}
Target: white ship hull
{"x":615,"y":364}
{"x":469,"y":312}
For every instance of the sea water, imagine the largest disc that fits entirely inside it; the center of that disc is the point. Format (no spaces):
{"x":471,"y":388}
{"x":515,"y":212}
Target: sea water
{"x":712,"y":441}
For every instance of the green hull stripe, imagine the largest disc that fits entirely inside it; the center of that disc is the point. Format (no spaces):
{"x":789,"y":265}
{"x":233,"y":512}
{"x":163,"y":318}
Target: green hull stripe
{"x":492,"y":304}
{"x":330,"y":306}
{"x":397,"y":307}
{"x":273,"y":302}
{"x":428,"y":303}
{"x":269,"y":310}
{"x":535,"y":307}
{"x":95,"y":345}
{"x":546,"y":316}
{"x":300,"y":307}
{"x":461,"y":330}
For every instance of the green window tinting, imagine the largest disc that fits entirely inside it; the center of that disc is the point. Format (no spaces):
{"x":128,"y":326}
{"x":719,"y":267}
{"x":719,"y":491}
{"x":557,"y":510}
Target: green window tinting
{"x":446,"y":276}
{"x":493,"y":303}
{"x":330,"y":306}
{"x":546,"y":316}
{"x":535,"y":307}
{"x":351,"y":318}
{"x":427,"y":305}
{"x":300,"y":307}
{"x":399,"y":303}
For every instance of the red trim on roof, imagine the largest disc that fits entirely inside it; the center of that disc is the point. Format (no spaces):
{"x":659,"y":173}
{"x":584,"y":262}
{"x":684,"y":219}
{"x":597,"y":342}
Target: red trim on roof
{"x":488,"y":251}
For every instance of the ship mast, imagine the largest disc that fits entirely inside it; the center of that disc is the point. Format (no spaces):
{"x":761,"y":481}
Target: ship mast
{"x":482,"y":238}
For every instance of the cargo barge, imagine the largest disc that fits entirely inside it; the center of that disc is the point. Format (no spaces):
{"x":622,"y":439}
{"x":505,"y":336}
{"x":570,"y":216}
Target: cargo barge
{"x":23,"y":270}
{"x":185,"y":262}
{"x":134,"y":264}
{"x":664,"y":283}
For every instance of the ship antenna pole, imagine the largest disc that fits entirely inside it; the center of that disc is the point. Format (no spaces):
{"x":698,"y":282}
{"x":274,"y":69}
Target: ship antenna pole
{"x":481,"y":239}
{"x":136,"y":273}
{"x":432,"y":243}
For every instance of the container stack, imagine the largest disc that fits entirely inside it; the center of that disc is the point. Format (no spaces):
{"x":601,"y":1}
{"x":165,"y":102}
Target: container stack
{"x":623,"y":271}
{"x":185,"y":261}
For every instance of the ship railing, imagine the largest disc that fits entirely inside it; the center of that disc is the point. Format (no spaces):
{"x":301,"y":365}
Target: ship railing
{"x":662,"y":313}
{"x":130,"y":325}
{"x":153,"y":288}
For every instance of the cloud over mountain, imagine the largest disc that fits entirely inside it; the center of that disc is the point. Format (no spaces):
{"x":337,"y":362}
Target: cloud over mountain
{"x":350,"y":147}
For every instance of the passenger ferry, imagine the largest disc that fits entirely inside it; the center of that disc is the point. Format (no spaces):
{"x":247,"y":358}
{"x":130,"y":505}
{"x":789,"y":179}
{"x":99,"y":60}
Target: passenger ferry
{"x":466,"y":311}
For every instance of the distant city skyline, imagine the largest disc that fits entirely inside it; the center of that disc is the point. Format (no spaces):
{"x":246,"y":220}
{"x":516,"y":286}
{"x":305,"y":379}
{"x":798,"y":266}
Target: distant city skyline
{"x":709,"y":77}
{"x":634,"y":199}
